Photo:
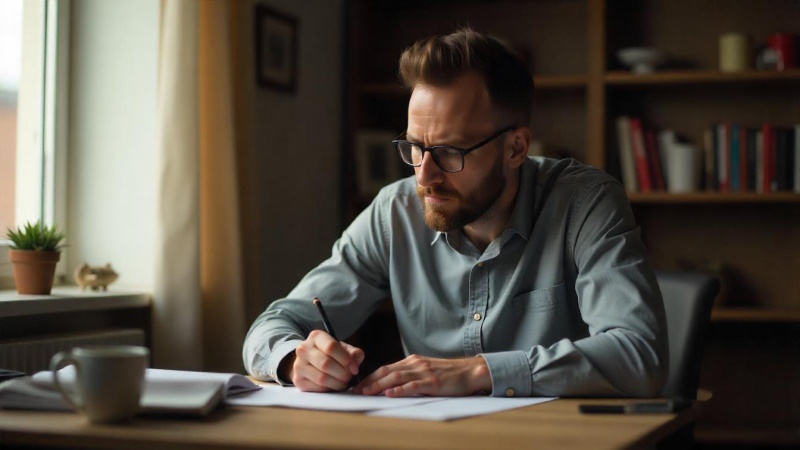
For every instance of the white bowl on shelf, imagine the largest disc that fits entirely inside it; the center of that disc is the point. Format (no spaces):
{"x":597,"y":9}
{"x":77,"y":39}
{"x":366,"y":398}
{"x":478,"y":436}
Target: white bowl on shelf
{"x":641,"y":59}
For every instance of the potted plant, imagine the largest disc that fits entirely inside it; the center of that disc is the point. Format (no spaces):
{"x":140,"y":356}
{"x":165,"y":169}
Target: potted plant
{"x":35,"y":250}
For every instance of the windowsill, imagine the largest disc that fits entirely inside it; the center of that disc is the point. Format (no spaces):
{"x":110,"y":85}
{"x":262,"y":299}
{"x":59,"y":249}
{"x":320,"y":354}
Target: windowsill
{"x":69,"y":299}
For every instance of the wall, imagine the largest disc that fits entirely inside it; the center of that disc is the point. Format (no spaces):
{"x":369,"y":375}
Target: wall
{"x":112,"y":137}
{"x":289,"y":144}
{"x":290,"y":164}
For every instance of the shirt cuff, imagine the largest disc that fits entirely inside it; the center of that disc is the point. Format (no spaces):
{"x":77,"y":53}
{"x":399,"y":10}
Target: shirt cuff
{"x":510,"y":373}
{"x":277,"y":355}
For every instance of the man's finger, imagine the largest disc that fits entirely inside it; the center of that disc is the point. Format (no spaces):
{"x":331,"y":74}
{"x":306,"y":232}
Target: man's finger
{"x":392,"y":379}
{"x":357,"y":356}
{"x":416,"y":387}
{"x":331,"y":347}
{"x":327,"y":365}
{"x":319,"y":378}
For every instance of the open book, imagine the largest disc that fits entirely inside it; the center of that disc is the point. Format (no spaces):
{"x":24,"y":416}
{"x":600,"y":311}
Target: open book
{"x":165,"y":391}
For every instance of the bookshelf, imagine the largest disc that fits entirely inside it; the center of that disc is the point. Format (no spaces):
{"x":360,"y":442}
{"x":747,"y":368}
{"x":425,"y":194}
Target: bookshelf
{"x":752,"y":239}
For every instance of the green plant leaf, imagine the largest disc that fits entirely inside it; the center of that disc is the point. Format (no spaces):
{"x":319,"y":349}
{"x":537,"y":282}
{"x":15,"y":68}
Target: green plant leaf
{"x":36,"y":237}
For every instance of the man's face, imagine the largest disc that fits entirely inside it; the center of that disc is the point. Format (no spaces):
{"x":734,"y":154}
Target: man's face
{"x":458,"y":115}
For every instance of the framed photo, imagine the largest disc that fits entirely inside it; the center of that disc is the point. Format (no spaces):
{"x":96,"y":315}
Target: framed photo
{"x":276,"y":49}
{"x":376,"y":161}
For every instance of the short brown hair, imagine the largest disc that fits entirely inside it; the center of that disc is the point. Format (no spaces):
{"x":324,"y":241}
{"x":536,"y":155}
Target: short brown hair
{"x":439,"y":60}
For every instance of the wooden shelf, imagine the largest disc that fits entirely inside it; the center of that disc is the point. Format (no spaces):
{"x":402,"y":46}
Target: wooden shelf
{"x":713,"y":197}
{"x":560,"y":81}
{"x":698,"y":77}
{"x":742,"y":314}
{"x":544,"y":82}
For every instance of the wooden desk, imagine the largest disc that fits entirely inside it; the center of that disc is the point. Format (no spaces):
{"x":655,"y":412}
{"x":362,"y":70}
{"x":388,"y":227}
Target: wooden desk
{"x":553,"y":425}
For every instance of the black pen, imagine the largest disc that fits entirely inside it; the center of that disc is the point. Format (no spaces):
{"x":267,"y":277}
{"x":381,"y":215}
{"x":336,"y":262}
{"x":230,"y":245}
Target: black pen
{"x":329,"y":329}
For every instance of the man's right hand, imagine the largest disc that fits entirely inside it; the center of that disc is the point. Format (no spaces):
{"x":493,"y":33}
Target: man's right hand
{"x":322,"y":364}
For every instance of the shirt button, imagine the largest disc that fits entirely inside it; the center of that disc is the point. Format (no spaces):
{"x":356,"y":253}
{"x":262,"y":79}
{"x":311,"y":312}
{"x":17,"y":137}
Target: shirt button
{"x":476,"y":316}
{"x":509,"y":392}
{"x":480,"y":264}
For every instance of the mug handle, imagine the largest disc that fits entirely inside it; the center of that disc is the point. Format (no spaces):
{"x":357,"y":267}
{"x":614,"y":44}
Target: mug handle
{"x":60,"y":360}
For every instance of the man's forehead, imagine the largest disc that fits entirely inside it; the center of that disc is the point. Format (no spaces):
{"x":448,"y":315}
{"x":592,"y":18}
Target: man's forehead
{"x":463,"y":104}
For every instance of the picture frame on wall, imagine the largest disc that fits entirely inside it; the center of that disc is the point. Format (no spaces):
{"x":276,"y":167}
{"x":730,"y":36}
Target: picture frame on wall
{"x":376,"y":161}
{"x":276,"y":49}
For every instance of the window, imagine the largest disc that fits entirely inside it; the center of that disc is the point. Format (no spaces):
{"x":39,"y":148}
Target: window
{"x":33,"y":45}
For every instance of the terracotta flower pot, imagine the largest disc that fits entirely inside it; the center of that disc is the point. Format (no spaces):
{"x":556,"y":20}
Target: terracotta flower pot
{"x":34,"y":270}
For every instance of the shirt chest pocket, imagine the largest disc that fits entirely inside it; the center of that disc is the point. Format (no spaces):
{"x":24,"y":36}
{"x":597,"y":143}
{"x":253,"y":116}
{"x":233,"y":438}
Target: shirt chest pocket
{"x":541,"y":302}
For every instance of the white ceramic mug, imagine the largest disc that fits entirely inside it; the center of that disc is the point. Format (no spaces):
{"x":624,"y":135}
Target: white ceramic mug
{"x":108,"y":380}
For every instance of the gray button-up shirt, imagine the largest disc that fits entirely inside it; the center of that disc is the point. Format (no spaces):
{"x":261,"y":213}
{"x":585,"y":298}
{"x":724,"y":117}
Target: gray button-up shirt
{"x":563,"y":304}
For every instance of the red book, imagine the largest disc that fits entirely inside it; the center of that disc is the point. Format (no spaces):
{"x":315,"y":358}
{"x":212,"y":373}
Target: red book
{"x":637,"y":141}
{"x":655,"y":160}
{"x":767,"y":158}
{"x":743,"y":159}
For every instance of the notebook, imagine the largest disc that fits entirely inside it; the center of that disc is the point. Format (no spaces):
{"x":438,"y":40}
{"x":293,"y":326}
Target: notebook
{"x":171,"y":392}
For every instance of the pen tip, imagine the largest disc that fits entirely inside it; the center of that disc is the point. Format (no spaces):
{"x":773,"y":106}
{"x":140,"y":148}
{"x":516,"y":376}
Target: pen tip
{"x":316,"y":300}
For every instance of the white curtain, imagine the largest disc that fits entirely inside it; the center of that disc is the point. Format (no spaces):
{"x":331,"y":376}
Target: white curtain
{"x":199,"y":320}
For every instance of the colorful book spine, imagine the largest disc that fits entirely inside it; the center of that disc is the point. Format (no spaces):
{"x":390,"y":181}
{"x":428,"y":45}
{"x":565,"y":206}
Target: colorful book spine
{"x":626,"y":154}
{"x":751,"y":159}
{"x":734,"y":159}
{"x":637,"y":141}
{"x":657,"y":175}
{"x":760,"y":183}
{"x":708,"y":160}
{"x":797,"y":158}
{"x":722,"y":157}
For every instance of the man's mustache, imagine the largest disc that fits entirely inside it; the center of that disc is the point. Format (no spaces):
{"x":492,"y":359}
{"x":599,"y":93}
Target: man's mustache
{"x":436,"y":192}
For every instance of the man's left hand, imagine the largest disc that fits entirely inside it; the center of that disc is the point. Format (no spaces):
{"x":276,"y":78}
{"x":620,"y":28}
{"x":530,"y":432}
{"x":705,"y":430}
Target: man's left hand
{"x":420,"y":375}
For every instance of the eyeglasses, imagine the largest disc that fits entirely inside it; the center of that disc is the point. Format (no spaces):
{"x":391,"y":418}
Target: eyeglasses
{"x":449,"y":159}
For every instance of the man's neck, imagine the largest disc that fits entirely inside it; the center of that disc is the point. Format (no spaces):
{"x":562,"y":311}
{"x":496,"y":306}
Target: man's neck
{"x":492,"y":224}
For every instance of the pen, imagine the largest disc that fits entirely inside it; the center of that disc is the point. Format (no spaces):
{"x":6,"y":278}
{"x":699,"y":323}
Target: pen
{"x":669,"y":406}
{"x":329,"y":329}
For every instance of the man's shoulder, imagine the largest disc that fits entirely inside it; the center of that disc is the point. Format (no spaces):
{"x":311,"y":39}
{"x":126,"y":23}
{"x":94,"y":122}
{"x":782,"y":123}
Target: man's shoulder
{"x":402,"y":190}
{"x":573,"y":177}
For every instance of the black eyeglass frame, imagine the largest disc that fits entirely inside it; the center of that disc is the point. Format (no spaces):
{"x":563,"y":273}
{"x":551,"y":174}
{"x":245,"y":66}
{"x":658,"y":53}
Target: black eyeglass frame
{"x":463,"y":151}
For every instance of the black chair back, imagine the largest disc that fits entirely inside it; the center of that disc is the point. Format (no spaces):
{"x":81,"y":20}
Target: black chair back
{"x":688,"y":298}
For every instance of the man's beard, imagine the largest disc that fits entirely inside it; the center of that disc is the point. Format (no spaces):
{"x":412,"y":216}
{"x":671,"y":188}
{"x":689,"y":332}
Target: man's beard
{"x":475,"y":206}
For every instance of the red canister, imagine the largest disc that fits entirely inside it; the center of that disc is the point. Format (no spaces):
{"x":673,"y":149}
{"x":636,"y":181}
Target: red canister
{"x":783,"y":44}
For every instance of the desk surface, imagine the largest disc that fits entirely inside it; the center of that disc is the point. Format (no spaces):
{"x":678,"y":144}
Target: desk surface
{"x":556,"y":424}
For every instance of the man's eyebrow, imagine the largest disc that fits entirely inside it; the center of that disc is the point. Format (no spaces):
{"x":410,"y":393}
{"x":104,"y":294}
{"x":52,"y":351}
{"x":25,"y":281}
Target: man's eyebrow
{"x":454,"y":140}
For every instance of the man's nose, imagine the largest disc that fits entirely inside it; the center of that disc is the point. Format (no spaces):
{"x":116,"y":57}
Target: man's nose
{"x":428,"y":173}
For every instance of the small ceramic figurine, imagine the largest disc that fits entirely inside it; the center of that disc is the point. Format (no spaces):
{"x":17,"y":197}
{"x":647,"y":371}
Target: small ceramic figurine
{"x":95,"y":277}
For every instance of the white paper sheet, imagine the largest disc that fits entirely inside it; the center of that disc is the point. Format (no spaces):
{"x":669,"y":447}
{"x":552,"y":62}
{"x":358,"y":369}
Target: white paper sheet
{"x":273,"y":395}
{"x":458,"y":408}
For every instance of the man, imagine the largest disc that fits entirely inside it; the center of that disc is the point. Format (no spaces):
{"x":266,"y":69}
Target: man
{"x":509,"y":275}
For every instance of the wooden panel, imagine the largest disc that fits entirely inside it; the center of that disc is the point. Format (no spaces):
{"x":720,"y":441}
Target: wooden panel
{"x":551,"y":32}
{"x":689,"y":29}
{"x":757,"y":244}
{"x":559,"y":119}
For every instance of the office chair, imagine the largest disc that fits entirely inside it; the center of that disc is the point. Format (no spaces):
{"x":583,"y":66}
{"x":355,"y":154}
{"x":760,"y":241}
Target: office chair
{"x":688,"y":298}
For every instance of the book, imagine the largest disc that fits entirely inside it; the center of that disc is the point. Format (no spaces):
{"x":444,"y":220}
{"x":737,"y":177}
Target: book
{"x":797,"y":159}
{"x":640,"y":156}
{"x":653,"y":158}
{"x":626,"y":154}
{"x":171,"y":392}
{"x":760,"y":162}
{"x":752,"y":139}
{"x":708,"y":161}
{"x":733,"y":133}
{"x":722,"y":157}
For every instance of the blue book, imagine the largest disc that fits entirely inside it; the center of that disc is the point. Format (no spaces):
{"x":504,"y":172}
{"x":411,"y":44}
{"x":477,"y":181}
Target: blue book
{"x":734,"y":162}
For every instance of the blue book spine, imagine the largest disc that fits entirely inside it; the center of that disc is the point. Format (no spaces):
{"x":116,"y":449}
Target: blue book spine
{"x":734,"y":162}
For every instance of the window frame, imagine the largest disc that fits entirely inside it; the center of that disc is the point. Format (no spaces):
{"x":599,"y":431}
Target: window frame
{"x":42,"y":108}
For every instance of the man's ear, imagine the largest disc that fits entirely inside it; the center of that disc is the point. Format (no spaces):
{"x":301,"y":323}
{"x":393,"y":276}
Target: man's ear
{"x":521,"y":138}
